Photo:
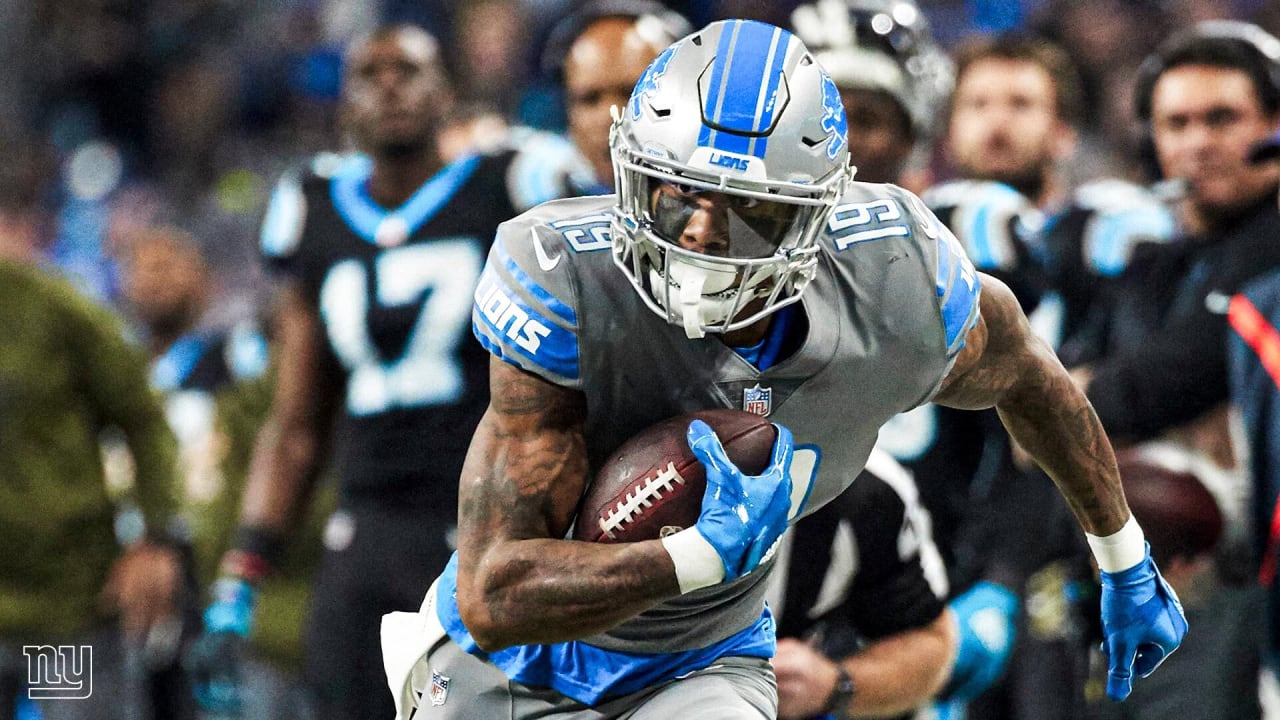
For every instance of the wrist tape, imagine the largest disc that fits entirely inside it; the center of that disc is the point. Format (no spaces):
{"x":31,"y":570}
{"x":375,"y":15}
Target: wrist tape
{"x":1121,"y":550}
{"x":697,"y":562}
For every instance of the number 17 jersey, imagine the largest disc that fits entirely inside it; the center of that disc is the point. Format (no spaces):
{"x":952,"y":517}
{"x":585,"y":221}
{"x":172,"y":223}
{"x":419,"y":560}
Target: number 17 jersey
{"x":393,"y":291}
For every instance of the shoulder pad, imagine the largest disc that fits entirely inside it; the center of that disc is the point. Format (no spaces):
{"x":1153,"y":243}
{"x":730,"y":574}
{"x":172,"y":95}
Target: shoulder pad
{"x":990,"y":219}
{"x":545,"y":166}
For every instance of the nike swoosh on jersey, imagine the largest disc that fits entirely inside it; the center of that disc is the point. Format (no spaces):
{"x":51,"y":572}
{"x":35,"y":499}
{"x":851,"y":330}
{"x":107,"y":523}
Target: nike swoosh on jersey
{"x":545,"y":261}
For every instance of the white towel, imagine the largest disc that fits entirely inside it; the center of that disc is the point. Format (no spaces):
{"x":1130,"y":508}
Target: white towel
{"x":406,"y":639}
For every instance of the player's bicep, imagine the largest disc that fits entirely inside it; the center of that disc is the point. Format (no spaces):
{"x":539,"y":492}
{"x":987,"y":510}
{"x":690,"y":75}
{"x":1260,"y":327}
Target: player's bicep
{"x":526,"y":468}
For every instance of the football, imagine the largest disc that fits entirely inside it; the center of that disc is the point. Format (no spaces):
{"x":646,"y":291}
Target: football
{"x":1178,"y":514}
{"x":652,"y":486}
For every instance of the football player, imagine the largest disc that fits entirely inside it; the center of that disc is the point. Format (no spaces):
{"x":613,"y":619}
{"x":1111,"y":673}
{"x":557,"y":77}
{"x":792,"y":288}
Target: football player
{"x":597,"y":54}
{"x":737,"y":256}
{"x":380,"y":252}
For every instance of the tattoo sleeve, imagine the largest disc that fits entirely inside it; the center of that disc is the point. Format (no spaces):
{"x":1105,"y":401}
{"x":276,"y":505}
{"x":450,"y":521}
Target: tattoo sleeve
{"x":1006,"y":366}
{"x":519,"y":580}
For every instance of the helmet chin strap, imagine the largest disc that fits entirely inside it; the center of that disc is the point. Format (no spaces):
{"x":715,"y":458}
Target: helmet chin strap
{"x":690,"y":282}
{"x":690,"y":300}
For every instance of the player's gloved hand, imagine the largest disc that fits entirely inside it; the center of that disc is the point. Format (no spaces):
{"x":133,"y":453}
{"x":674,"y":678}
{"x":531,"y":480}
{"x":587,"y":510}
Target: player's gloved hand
{"x":742,"y":515}
{"x":984,"y":616}
{"x":215,"y":658}
{"x":1142,"y":622}
{"x":742,"y":518}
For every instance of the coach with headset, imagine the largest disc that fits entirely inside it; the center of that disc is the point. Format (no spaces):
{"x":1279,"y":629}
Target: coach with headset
{"x":1206,"y":96}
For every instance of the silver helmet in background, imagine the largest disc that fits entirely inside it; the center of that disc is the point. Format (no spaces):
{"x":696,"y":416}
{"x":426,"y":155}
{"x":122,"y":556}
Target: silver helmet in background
{"x":737,"y":118}
{"x":881,"y":45}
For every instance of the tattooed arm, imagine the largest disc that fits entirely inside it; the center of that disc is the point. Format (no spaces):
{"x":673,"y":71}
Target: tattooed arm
{"x":519,"y":581}
{"x":1006,"y":366}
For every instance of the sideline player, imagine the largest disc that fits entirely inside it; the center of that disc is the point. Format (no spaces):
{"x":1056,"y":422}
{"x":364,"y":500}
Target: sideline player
{"x":734,"y":198}
{"x":380,"y":252}
{"x":597,"y":54}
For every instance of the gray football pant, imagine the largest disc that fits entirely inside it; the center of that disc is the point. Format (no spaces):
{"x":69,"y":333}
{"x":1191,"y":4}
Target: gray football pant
{"x":735,"y":688}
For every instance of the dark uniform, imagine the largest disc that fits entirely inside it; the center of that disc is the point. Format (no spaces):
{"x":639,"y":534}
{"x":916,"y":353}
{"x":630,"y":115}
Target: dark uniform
{"x":394,"y":290}
{"x":862,"y":568}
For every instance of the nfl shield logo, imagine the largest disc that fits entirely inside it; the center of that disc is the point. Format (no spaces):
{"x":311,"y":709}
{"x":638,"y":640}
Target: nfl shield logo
{"x":439,"y":688}
{"x":757,"y":400}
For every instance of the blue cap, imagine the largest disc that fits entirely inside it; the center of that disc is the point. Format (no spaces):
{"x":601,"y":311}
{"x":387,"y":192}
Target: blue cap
{"x":1264,"y":150}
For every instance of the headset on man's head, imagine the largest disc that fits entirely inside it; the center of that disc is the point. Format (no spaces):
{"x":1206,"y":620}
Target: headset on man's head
{"x":1225,"y":43}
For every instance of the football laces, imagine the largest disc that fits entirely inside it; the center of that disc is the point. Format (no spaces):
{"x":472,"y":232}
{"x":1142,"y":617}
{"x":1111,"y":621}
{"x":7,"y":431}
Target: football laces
{"x":635,"y":502}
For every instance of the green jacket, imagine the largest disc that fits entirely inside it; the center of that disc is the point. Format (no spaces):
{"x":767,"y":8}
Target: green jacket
{"x":66,"y":374}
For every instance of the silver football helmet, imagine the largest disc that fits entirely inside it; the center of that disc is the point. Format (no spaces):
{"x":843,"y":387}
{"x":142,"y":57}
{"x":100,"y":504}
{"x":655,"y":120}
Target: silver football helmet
{"x":727,"y":160}
{"x":883,"y":45}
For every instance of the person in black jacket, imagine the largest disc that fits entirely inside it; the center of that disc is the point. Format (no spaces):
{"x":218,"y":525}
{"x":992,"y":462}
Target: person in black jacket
{"x":1208,"y":96}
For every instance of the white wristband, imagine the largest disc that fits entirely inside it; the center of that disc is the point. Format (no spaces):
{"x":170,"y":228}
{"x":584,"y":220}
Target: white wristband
{"x":1121,"y":550}
{"x":698,"y":565}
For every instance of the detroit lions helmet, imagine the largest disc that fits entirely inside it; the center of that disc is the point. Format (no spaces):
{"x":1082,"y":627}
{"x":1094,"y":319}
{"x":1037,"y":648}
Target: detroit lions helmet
{"x":737,"y":119}
{"x":880,"y":45}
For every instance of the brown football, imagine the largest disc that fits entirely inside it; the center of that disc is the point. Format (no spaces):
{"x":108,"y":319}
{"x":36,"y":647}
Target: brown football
{"x":653,"y":485}
{"x":1176,"y":511}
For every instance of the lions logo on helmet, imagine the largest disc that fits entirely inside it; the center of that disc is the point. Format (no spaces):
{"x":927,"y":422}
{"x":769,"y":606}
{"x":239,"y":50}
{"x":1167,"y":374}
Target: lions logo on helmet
{"x":648,"y":83}
{"x":740,"y":118}
{"x":833,"y":119}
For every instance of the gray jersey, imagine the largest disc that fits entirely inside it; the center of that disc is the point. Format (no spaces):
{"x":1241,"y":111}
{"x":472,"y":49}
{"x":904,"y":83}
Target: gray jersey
{"x":887,"y":313}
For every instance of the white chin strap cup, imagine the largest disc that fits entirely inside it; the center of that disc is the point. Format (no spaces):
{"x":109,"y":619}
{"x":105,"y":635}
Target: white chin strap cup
{"x":692,"y":280}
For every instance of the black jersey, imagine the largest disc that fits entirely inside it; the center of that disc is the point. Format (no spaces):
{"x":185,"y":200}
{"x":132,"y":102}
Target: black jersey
{"x":863,"y":567}
{"x":394,"y":291}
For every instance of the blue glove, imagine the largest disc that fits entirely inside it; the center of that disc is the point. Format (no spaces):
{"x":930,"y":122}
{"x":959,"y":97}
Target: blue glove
{"x":1142,"y":622}
{"x":742,"y":515}
{"x":985,"y":615}
{"x":214,"y":661}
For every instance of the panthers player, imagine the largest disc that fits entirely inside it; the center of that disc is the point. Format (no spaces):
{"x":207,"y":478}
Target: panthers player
{"x":738,"y":262}
{"x":381,"y":252}
{"x":894,"y":80}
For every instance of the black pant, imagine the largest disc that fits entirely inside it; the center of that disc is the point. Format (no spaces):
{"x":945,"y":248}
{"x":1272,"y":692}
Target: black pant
{"x":390,"y":561}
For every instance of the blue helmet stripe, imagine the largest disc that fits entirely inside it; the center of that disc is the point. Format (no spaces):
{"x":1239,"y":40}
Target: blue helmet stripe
{"x":716,"y":88}
{"x":750,"y":54}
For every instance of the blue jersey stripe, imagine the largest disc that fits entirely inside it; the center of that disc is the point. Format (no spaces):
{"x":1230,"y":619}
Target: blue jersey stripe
{"x":512,"y":329}
{"x":959,"y":295}
{"x":984,"y":254}
{"x":590,"y":674}
{"x":350,"y":196}
{"x":540,"y":293}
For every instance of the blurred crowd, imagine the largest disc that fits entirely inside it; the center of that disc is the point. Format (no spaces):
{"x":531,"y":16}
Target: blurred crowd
{"x":130,"y":114}
{"x":141,"y":142}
